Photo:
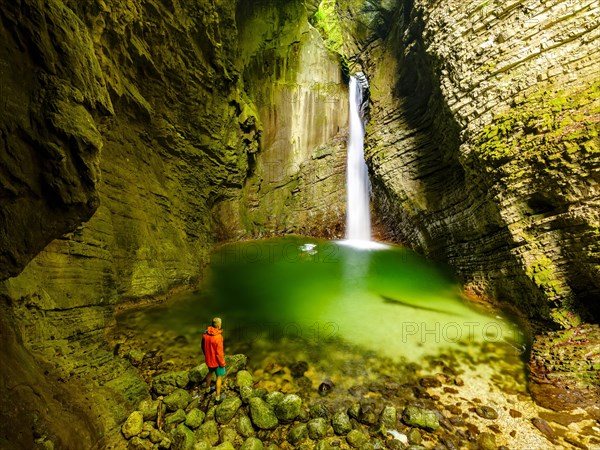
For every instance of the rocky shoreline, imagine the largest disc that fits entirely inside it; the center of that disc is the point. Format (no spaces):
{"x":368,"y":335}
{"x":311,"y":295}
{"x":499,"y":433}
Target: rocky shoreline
{"x":306,"y":395}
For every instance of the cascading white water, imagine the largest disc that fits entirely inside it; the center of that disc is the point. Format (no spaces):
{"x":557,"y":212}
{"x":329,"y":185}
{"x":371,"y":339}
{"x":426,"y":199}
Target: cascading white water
{"x":358,"y":216}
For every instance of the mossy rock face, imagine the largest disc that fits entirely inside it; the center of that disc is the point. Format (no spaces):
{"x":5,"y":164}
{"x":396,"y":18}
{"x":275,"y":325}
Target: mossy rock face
{"x":563,"y":356}
{"x":290,"y":70}
{"x":516,"y":136}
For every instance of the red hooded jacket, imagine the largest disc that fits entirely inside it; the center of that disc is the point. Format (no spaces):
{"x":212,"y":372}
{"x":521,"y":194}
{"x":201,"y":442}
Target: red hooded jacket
{"x":212,"y":346}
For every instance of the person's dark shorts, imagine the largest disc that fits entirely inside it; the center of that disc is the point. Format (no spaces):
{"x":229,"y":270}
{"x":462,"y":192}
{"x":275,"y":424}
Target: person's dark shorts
{"x":219,"y":371}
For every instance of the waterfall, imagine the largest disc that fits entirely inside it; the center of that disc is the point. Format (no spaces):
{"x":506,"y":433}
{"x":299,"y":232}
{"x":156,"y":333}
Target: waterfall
{"x":358,"y":216}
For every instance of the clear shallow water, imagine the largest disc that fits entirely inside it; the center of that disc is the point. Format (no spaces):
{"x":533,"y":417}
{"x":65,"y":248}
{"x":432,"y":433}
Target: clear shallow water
{"x":386,"y":300}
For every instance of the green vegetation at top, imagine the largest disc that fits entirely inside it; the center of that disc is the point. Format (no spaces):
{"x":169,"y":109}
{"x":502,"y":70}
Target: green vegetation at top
{"x":326,"y":20}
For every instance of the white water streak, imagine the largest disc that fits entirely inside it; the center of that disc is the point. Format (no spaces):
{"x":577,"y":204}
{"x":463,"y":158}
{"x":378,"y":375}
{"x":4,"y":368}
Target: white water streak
{"x":358,"y":215}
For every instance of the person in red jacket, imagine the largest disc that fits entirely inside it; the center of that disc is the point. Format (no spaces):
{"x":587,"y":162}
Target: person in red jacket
{"x":214,"y":355}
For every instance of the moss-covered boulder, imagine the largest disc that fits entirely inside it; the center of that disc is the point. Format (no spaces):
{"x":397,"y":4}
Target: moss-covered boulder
{"x":227,"y":409}
{"x":197,"y":374}
{"x":176,"y":417}
{"x":137,"y":443}
{"x":317,"y":428}
{"x":297,"y":433}
{"x":288,"y":408}
{"x":341,"y":424}
{"x":244,"y":378}
{"x":133,"y":425}
{"x":166,"y":383}
{"x":178,"y":399}
{"x":194,"y":418}
{"x":252,"y":443}
{"x":262,"y":414}
{"x":183,"y":438}
{"x":357,"y":439}
{"x":208,"y":431}
{"x":149,"y":408}
{"x":388,"y":418}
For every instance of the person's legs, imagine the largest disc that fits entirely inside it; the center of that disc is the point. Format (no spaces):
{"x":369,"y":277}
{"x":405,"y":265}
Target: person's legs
{"x":220,"y":372}
{"x":208,"y":379}
{"x":219,"y":382}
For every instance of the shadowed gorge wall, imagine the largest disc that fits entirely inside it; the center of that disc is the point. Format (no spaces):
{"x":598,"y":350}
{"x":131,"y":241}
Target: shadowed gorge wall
{"x":501,"y":146}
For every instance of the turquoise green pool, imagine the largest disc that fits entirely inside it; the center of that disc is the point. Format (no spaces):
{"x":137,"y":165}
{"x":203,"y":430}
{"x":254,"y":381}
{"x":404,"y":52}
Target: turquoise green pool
{"x":385,"y":299}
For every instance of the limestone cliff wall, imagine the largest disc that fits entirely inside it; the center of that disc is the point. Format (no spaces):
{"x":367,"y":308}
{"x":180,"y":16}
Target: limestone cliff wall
{"x":134,"y":136}
{"x":295,"y":82}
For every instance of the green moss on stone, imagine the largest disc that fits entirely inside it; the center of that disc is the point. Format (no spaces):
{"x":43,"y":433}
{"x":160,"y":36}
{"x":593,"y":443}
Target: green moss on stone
{"x":549,"y":122}
{"x":327,"y":22}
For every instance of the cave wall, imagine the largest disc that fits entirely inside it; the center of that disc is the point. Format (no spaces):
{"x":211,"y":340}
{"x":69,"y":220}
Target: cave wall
{"x":135,"y":136}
